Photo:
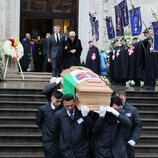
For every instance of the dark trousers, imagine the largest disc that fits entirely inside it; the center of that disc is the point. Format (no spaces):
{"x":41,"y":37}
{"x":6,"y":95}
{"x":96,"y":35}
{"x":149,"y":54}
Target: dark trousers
{"x":56,"y":66}
{"x":130,"y":151}
{"x":51,"y":150}
{"x":45,"y":63}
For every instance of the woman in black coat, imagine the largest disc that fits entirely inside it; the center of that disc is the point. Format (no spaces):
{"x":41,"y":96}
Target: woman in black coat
{"x":73,"y":49}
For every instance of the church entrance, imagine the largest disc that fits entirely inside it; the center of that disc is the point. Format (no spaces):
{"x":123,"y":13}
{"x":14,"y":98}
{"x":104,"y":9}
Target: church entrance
{"x":39,"y":16}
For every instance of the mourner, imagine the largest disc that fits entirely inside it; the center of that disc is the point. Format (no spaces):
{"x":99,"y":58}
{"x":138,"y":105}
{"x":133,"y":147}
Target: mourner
{"x":73,"y":49}
{"x":93,"y":58}
{"x":56,"y":50}
{"x":109,"y":142}
{"x":44,"y":120}
{"x":73,"y":126}
{"x":131,"y":135}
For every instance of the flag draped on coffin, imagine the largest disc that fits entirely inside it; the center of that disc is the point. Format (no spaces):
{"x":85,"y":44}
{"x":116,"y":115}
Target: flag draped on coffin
{"x":119,"y":27}
{"x":135,"y":21}
{"x":124,"y":13}
{"x":110,"y":27}
{"x":155,"y":41}
{"x":97,"y":30}
{"x":92,"y":21}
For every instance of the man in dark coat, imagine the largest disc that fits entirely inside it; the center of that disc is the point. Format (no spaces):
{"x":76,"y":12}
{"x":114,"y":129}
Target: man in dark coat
{"x":73,"y":49}
{"x":121,"y":63}
{"x":135,"y":62}
{"x":44,"y":120}
{"x":149,"y":73}
{"x":131,"y":135}
{"x":45,"y":52}
{"x":73,"y":126}
{"x":108,"y":131}
{"x":56,"y":50}
{"x":25,"y":60}
{"x":93,"y":58}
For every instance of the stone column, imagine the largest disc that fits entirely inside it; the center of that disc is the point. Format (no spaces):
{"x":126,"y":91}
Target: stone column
{"x":84,"y":26}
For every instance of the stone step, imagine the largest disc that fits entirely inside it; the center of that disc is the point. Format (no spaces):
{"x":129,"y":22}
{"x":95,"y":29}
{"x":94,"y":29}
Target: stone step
{"x":150,"y":130}
{"x":22,"y":97}
{"x":21,"y":137}
{"x":148,"y":122}
{"x":147,"y":148}
{"x":21,"y":104}
{"x":148,"y":114}
{"x":149,"y":139}
{"x":146,"y":155}
{"x":23,"y":128}
{"x":147,"y":100}
{"x":17,"y":154}
{"x":18,"y":112}
{"x":141,"y":93}
{"x":17,"y":120}
{"x":20,"y":91}
{"x":145,"y":106}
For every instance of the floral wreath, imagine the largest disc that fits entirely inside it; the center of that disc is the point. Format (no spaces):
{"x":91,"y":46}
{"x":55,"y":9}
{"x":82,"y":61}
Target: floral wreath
{"x":13,"y":48}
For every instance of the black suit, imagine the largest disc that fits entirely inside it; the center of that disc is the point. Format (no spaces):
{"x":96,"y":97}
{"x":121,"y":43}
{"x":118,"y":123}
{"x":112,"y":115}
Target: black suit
{"x":44,"y":121}
{"x":74,"y":135}
{"x":55,"y":53}
{"x":134,"y":132}
{"x":109,"y":141}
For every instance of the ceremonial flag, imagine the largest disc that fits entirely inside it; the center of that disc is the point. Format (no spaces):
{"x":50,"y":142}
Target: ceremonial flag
{"x":124,"y":13}
{"x":155,"y":40}
{"x":92,"y":21}
{"x":110,"y":27}
{"x":135,"y":21}
{"x":96,"y":30}
{"x":119,"y":28}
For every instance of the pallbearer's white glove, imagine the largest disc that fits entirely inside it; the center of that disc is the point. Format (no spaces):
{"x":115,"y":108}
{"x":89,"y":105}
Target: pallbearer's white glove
{"x":131,"y":142}
{"x":58,"y":80}
{"x":102,"y":111}
{"x":113,"y":111}
{"x":84,"y":111}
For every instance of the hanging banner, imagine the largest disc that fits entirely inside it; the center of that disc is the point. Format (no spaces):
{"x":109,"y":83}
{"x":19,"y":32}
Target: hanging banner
{"x":124,"y":13}
{"x":110,"y":27}
{"x":155,"y":40}
{"x":135,"y":21}
{"x":119,"y":27}
{"x":92,"y":21}
{"x":96,"y":30}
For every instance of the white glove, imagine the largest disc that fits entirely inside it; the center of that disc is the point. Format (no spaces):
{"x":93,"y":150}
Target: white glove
{"x":113,"y":111}
{"x":84,"y":111}
{"x":131,"y":142}
{"x":102,"y":111}
{"x":58,"y":80}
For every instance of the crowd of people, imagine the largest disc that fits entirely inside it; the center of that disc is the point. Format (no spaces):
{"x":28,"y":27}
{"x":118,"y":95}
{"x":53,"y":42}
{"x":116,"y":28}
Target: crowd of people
{"x":111,"y":132}
{"x":55,"y":52}
{"x":137,"y":62}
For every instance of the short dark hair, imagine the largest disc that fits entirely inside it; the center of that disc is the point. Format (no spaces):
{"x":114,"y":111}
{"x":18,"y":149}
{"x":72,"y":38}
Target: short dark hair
{"x":121,"y":93}
{"x":68,"y":97}
{"x":57,"y":94}
{"x":116,"y":100}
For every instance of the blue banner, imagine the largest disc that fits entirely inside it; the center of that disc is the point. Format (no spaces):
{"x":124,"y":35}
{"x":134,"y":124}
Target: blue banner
{"x":135,"y":21}
{"x":124,"y":13}
{"x":119,"y":27}
{"x":92,"y":21}
{"x":155,"y":41}
{"x":96,"y":30}
{"x":110,"y":27}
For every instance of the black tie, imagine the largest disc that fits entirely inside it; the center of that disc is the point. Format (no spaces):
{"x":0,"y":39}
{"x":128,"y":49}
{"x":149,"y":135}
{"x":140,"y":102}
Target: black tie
{"x":57,"y":38}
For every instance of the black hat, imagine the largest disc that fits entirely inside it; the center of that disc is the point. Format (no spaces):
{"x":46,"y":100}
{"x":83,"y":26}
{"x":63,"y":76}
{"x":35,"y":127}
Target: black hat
{"x":146,"y":30}
{"x":90,"y":41}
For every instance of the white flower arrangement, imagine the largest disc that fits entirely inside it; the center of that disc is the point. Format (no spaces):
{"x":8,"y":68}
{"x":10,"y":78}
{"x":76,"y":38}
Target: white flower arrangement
{"x":13,"y":48}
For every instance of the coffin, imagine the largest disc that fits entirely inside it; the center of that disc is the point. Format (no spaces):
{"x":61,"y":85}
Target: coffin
{"x":87,"y":87}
